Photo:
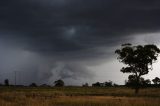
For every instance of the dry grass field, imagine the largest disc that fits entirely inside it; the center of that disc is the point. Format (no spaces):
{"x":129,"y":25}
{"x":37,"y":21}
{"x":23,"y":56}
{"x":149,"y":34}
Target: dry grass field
{"x":78,"y":96}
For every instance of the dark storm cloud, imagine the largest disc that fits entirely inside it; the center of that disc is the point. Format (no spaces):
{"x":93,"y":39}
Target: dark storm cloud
{"x":42,"y":25}
{"x":66,"y":30}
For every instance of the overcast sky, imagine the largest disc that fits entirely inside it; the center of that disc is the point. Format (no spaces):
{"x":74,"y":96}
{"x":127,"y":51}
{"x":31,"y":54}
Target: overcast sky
{"x":73,"y":40}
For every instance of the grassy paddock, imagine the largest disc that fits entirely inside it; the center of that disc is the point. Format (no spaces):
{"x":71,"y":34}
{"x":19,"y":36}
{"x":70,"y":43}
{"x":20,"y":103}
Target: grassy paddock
{"x":78,"y":96}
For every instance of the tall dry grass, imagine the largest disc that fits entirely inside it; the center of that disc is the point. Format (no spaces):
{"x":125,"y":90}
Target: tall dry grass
{"x":76,"y":96}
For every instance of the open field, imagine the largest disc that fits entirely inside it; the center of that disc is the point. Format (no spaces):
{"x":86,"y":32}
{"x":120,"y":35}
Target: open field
{"x":78,"y":96}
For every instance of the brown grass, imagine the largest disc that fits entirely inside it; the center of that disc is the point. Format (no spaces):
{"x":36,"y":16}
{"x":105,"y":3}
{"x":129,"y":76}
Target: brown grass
{"x":69,"y":97}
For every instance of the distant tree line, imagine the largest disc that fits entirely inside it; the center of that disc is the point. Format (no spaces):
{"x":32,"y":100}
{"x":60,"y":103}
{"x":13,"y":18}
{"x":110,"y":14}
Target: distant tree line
{"x":57,"y":83}
{"x":104,"y":84}
{"x":131,"y":82}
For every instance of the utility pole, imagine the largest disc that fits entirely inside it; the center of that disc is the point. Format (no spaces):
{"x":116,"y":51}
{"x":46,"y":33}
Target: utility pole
{"x":15,"y":78}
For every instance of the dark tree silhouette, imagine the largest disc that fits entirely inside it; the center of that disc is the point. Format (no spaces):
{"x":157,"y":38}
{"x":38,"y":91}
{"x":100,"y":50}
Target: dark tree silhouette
{"x":85,"y":85}
{"x":6,"y":82}
{"x":145,"y":83}
{"x":108,"y":84}
{"x":97,"y":84}
{"x":132,"y":81}
{"x":59,"y":83}
{"x":138,"y":59}
{"x":156,"y":81}
{"x":45,"y":85}
{"x":33,"y":85}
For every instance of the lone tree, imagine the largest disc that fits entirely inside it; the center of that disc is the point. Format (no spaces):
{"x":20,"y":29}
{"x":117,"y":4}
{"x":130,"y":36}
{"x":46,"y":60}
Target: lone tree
{"x":139,"y":60}
{"x":156,"y":81}
{"x":33,"y":85}
{"x":97,"y":84}
{"x":59,"y":83}
{"x":6,"y":82}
